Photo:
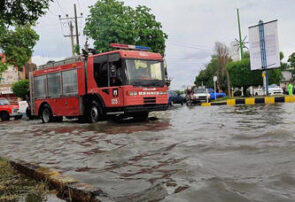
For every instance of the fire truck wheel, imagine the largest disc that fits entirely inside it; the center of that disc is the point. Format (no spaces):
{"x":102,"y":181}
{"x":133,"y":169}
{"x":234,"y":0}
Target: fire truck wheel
{"x":4,"y":116}
{"x":46,"y":115}
{"x":95,"y":112}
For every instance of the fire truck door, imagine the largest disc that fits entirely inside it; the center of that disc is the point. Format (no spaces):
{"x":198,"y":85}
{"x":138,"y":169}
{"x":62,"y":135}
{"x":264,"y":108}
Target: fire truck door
{"x":113,"y":96}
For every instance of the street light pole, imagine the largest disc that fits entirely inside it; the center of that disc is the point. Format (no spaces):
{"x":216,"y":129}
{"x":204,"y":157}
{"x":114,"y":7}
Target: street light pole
{"x":240,"y":35}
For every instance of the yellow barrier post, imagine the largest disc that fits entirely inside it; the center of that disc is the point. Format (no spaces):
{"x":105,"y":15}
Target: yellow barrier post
{"x":250,"y":101}
{"x":206,"y":104}
{"x":231,"y":101}
{"x":289,"y":98}
{"x":269,"y":100}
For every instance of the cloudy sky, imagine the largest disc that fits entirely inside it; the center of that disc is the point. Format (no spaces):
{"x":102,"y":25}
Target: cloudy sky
{"x":193,"y":26}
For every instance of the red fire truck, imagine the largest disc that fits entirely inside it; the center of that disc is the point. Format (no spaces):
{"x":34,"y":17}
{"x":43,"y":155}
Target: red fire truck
{"x":126,"y":82}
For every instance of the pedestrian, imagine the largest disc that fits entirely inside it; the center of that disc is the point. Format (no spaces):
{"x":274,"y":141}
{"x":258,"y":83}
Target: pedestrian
{"x":290,"y":88}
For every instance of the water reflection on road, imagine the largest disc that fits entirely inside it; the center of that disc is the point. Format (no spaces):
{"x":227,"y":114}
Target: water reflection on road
{"x":206,"y":154}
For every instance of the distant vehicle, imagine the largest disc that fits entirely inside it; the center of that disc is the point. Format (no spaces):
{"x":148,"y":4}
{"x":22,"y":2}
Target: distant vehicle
{"x":7,"y":110}
{"x":174,"y":98}
{"x":184,"y":97}
{"x":273,"y":89}
{"x":212,"y":94}
{"x":201,"y":95}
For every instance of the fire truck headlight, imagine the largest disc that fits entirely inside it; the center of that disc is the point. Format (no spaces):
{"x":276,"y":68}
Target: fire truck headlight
{"x":132,"y":93}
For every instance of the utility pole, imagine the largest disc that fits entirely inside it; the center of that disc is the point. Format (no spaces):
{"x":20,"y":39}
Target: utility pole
{"x":70,"y":21}
{"x":72,"y":37}
{"x":76,"y":25}
{"x":240,"y":35}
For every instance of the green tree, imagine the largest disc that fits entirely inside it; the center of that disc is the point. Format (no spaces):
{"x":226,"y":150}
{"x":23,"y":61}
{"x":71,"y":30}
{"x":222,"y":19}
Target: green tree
{"x":16,"y":37}
{"x":242,"y":76}
{"x":20,"y":88}
{"x":18,"y":45}
{"x":110,"y":21}
{"x":206,"y":75}
{"x":21,"y":12}
{"x":291,"y":60}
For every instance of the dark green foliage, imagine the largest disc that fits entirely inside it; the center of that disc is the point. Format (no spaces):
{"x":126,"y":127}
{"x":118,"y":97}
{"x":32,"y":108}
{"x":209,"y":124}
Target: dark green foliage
{"x":110,"y":21}
{"x":291,"y":60}
{"x":21,"y":88}
{"x":206,"y":75}
{"x":241,"y":75}
{"x":3,"y":67}
{"x":18,"y":45}
{"x":21,"y":12}
{"x":275,"y":76}
{"x":17,"y":39}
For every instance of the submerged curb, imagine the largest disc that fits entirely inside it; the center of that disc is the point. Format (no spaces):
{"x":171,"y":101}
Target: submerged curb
{"x":251,"y":101}
{"x":67,"y":187}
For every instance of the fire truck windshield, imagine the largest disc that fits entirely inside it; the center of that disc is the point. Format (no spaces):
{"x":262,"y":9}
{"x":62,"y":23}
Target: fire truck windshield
{"x":145,"y":72}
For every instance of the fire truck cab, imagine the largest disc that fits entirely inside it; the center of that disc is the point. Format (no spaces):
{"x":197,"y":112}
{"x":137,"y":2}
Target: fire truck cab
{"x":124,"y":82}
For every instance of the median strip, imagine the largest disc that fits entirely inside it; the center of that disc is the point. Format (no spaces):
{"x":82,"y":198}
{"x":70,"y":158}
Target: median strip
{"x":251,"y":101}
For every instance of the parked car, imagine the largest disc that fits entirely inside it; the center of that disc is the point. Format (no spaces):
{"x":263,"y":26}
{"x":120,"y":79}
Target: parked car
{"x":7,"y":110}
{"x":174,"y":98}
{"x":212,"y":94}
{"x":201,"y":95}
{"x":273,"y":89}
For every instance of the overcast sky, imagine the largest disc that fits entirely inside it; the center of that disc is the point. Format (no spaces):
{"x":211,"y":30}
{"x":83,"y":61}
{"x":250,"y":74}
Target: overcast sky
{"x":193,"y":26}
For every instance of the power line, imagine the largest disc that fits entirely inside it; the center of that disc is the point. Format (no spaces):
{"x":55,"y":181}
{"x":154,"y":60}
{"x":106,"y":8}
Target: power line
{"x":79,"y":6}
{"x":189,"y":46}
{"x":52,"y":13}
{"x":71,"y":22}
{"x":60,"y":9}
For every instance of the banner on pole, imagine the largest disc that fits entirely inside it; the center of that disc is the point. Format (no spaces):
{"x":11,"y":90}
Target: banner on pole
{"x":271,"y":46}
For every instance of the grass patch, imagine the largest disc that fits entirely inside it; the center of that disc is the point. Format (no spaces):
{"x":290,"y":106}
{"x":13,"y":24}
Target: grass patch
{"x":15,"y":186}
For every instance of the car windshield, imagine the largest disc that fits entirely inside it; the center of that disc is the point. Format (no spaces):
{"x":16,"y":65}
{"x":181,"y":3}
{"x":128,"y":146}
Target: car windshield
{"x":273,"y":86}
{"x":200,"y":90}
{"x":4,"y":102}
{"x":145,"y":72}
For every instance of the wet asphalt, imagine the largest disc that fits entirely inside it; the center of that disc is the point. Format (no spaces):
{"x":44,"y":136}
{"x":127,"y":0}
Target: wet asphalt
{"x":218,"y":153}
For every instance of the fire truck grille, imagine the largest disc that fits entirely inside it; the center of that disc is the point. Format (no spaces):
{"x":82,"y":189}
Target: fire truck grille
{"x":149,"y":100}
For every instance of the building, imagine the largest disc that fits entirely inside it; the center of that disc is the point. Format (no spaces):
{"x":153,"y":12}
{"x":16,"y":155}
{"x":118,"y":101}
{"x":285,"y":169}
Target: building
{"x":12,"y":75}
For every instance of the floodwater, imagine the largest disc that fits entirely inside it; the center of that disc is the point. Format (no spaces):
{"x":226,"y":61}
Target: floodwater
{"x":218,"y":153}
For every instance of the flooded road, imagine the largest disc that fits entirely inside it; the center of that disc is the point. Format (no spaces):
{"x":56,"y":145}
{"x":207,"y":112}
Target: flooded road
{"x":216,"y":153}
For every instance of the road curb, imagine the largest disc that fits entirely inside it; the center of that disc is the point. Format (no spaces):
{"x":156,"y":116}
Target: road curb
{"x":252,"y":101}
{"x":68,"y":188}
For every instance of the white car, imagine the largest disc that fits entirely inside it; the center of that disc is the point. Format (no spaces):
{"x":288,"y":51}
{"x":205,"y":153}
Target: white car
{"x":201,"y":95}
{"x":273,"y":89}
